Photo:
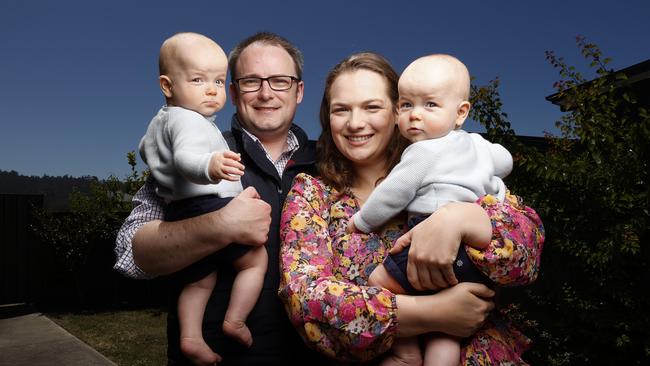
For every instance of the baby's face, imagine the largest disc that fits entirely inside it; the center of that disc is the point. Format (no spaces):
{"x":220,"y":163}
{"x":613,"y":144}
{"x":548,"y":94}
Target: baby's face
{"x":428,"y":101}
{"x":198,"y":78}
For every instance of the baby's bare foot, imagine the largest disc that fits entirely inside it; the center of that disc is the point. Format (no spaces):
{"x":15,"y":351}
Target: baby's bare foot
{"x":239,"y":331}
{"x":198,"y":351}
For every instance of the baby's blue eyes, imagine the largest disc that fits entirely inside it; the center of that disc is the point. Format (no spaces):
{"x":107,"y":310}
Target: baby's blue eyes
{"x":200,"y":81}
{"x":405,"y":105}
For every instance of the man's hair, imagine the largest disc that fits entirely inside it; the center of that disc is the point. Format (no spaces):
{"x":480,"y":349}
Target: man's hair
{"x":334,"y":168}
{"x":266,"y":38}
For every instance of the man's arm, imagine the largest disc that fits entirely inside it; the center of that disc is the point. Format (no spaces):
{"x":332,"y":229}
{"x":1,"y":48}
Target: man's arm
{"x":158,"y":247}
{"x":147,"y":206}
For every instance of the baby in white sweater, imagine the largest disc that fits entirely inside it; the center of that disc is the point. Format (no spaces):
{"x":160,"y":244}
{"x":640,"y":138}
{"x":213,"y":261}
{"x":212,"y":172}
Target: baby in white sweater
{"x":443,"y":164}
{"x":196,"y":173}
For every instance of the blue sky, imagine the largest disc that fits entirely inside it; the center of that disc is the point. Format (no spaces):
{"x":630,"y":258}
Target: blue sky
{"x":78,"y":79}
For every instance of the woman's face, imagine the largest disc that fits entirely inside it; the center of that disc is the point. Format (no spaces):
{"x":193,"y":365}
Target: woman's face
{"x":362,"y":117}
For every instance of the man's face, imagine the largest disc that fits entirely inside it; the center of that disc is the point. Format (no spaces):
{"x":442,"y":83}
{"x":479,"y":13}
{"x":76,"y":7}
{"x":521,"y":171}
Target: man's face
{"x":266,"y":112}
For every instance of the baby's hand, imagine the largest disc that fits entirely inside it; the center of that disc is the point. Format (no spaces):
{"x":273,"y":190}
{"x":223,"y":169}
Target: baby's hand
{"x":226,"y":165}
{"x":351,"y":227}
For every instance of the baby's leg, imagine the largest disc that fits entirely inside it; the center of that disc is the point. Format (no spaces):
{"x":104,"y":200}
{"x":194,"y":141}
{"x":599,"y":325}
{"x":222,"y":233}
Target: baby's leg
{"x":245,"y":291}
{"x":405,"y":352}
{"x":441,"y":350}
{"x":380,"y":277}
{"x":191,"y":306}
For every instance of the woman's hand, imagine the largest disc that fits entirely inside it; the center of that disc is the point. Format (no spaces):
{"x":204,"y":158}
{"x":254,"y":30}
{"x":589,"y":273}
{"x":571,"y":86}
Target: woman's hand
{"x":464,"y":308}
{"x":435,"y":243}
{"x":459,"y":311}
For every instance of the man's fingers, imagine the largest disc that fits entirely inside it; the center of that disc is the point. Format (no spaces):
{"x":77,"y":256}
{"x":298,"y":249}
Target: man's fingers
{"x":249,"y":192}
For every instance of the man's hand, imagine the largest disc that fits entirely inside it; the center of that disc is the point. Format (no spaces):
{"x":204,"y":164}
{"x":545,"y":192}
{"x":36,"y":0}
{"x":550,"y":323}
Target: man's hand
{"x":247,"y":218}
{"x":225,"y":165}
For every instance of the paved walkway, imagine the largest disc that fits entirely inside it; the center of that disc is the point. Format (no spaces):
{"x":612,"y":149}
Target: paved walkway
{"x":35,"y":340}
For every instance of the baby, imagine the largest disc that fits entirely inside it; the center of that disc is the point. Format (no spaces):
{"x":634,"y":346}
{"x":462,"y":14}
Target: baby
{"x":196,"y":173}
{"x":443,"y":164}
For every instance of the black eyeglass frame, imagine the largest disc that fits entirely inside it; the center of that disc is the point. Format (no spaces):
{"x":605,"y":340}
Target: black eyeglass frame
{"x":262,"y":80}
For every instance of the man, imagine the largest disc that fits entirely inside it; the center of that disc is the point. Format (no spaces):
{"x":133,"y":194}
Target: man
{"x":267,"y":86}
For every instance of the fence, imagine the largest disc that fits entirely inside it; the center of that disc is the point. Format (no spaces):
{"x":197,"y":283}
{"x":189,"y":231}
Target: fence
{"x":19,"y":249}
{"x":31,"y":273}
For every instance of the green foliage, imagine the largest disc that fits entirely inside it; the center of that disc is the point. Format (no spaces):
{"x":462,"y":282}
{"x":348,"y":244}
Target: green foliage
{"x":93,"y":217}
{"x":591,"y":189}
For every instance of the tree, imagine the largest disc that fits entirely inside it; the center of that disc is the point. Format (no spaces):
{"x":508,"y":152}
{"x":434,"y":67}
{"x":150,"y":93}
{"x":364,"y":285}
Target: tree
{"x":591,"y":189}
{"x":93,"y":219}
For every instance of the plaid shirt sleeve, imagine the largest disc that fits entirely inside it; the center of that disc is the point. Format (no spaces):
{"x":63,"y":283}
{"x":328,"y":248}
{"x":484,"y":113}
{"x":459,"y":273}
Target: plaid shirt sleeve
{"x":147,"y":206}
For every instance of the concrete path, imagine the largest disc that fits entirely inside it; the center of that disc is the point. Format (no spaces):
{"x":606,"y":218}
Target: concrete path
{"x":35,"y":340}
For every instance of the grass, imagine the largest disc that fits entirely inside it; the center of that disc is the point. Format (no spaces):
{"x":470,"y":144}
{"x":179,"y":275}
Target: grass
{"x":133,"y":338}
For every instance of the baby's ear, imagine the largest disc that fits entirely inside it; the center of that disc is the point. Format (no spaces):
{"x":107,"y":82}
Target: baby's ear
{"x":166,"y":85}
{"x":462,"y":113}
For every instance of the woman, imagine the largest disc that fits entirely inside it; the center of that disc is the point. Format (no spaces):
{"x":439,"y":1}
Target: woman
{"x":325,"y":270}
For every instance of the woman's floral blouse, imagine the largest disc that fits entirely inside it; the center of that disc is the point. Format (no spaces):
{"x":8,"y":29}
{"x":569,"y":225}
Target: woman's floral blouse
{"x":324,"y":273}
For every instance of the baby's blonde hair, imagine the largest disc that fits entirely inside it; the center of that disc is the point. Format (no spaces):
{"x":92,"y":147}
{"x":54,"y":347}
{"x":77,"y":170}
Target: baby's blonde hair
{"x":461,"y":73}
{"x":170,"y":48}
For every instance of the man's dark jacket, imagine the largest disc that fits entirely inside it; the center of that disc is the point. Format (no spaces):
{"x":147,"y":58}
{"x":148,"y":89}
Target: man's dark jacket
{"x":275,"y":341}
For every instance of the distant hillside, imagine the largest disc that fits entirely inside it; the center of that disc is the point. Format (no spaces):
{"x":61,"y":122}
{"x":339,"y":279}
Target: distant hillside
{"x":55,"y":189}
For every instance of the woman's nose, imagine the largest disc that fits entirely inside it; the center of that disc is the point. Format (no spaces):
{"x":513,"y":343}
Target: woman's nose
{"x":357,"y":120}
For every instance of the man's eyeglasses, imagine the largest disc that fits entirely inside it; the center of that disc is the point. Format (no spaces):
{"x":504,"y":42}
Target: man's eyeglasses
{"x":277,"y":83}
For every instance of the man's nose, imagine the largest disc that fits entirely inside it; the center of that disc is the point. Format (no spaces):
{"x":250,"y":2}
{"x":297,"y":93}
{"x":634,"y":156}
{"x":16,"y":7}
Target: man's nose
{"x":265,"y":91}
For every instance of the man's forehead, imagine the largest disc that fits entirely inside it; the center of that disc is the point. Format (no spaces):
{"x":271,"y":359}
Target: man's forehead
{"x":265,"y":59}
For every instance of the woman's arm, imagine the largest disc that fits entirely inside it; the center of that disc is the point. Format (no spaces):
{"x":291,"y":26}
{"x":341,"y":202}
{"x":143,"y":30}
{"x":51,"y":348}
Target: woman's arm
{"x":344,"y":318}
{"x":154,"y":247}
{"x":459,"y":310}
{"x":336,"y":316}
{"x":513,"y":232}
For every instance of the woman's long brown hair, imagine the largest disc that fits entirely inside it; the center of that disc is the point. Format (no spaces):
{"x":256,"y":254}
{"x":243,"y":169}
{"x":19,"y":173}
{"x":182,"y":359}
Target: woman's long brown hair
{"x":333,"y":167}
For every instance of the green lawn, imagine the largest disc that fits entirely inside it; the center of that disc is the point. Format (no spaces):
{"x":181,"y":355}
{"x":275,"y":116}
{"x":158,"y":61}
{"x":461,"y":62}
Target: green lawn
{"x":131,"y":338}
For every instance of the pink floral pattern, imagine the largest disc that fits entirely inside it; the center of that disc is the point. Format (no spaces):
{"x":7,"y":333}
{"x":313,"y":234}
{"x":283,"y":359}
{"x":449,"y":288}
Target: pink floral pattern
{"x":324,"y":274}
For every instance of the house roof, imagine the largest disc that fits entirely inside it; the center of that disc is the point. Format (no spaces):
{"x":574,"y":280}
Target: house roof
{"x":638,"y":79}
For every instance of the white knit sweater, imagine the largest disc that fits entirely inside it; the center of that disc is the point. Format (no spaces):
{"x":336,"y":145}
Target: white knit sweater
{"x":459,"y":167}
{"x":177,"y":147}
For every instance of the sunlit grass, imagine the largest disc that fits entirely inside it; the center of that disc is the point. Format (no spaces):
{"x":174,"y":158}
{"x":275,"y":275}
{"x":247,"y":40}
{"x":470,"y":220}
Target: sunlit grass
{"x":132,"y":338}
